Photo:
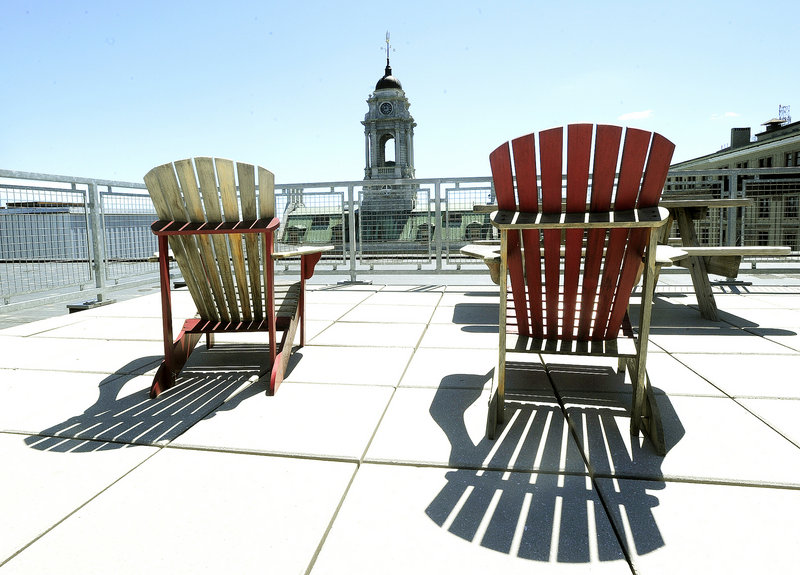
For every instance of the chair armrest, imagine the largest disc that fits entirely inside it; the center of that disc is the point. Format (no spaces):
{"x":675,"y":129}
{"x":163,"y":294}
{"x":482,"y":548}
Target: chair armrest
{"x":301,"y":251}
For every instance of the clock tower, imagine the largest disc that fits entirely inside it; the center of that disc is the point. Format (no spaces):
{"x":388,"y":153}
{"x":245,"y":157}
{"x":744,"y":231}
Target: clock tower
{"x":389,"y":156}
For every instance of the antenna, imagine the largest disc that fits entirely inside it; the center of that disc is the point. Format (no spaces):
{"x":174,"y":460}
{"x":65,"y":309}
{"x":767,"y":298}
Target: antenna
{"x":388,"y":48}
{"x":783,"y":111}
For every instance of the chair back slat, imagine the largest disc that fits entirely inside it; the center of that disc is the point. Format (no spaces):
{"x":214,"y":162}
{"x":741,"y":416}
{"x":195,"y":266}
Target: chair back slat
{"x":207,"y":178}
{"x":551,"y":161}
{"x":500,"y":161}
{"x":169,"y":205}
{"x":205,"y":189}
{"x":230,"y":213}
{"x":247,"y":193}
{"x":606,"y":154}
{"x":600,"y":266}
{"x":524,"y":149}
{"x":194,"y":206}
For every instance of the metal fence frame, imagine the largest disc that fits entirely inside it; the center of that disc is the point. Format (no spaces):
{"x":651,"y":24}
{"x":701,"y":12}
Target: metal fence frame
{"x":443,"y":201}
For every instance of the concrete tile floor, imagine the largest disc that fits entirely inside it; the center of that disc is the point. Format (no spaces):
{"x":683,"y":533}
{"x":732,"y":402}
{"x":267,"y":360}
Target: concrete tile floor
{"x":372,"y":457}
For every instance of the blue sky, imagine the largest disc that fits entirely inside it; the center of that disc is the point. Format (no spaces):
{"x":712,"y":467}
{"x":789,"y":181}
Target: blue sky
{"x":110,"y":89}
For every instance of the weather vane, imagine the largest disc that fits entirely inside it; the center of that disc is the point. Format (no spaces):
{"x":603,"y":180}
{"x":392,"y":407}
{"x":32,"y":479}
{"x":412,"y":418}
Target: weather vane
{"x":388,"y":47}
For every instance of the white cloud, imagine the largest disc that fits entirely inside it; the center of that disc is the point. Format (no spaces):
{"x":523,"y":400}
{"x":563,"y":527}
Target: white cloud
{"x":644,"y":114}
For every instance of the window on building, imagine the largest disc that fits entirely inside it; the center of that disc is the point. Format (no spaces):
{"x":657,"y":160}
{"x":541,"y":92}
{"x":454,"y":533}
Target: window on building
{"x":765,"y":162}
{"x":791,"y":207}
{"x":790,"y":239}
{"x":797,"y":158}
{"x":763,"y":238}
{"x":789,"y":159}
{"x":763,"y":207}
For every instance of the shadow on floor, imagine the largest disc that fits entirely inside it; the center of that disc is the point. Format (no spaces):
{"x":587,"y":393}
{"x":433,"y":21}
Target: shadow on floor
{"x":216,"y":379}
{"x":549,"y":515}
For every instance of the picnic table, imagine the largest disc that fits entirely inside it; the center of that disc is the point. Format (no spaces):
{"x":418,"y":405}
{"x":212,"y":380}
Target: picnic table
{"x":702,"y":260}
{"x":698,"y":259}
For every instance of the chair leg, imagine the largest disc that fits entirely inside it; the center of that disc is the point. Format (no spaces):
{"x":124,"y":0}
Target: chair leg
{"x":278,"y":368}
{"x":177,"y":355}
{"x":496,"y":414}
{"x":645,"y":415}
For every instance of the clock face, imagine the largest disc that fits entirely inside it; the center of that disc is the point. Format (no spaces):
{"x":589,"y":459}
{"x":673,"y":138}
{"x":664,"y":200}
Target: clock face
{"x":386,"y":108}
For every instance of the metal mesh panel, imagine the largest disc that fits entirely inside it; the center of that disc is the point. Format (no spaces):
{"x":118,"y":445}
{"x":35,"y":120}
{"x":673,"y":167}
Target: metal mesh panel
{"x":129,"y":243}
{"x":313,"y":219}
{"x":774,"y":218}
{"x":461,"y":225}
{"x":43,"y":239}
{"x":395,"y":225}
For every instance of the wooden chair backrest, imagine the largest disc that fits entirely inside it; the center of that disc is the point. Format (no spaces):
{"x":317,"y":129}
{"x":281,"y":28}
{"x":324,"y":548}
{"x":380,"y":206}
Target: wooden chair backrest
{"x":224,"y":273}
{"x":600,"y":266}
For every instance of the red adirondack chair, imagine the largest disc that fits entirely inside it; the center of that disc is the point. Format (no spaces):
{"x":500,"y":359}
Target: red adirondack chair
{"x":573,"y":255}
{"x":229,"y":272}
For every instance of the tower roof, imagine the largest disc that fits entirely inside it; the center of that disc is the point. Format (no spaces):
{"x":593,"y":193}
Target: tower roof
{"x":388,"y":81}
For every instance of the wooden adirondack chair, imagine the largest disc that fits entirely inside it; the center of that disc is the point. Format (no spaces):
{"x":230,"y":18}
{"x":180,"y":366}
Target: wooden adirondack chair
{"x":574,"y":256}
{"x":224,"y":247}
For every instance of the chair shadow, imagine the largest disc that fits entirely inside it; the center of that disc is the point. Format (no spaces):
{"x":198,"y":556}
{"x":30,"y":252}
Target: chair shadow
{"x":213,"y":380}
{"x":546,"y":515}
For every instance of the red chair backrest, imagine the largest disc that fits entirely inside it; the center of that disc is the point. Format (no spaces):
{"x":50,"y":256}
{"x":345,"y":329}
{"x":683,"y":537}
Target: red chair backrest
{"x":588,"y":301}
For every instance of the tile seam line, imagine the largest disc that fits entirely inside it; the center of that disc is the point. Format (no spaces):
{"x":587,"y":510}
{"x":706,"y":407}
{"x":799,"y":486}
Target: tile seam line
{"x":81,"y":506}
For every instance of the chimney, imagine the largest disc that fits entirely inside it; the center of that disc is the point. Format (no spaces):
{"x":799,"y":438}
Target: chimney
{"x":740,"y":137}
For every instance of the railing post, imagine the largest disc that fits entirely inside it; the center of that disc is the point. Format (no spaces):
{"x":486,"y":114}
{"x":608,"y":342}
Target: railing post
{"x":733,"y":190}
{"x":97,"y":240}
{"x":352,"y":224}
{"x":437,"y":228}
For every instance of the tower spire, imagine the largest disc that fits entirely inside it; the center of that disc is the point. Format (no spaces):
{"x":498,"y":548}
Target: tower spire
{"x":387,"y":48}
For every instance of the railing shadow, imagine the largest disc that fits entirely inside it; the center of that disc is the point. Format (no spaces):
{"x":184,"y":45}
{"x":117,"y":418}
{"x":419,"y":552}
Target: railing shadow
{"x":118,"y":419}
{"x":520,"y":500}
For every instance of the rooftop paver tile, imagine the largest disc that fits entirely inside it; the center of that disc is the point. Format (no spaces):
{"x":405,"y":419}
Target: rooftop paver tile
{"x":97,"y":356}
{"x":788,"y":337}
{"x":772,"y":318}
{"x":367,"y":312}
{"x":405,"y":297}
{"x":43,"y":486}
{"x":700,"y":528}
{"x":447,"y":427}
{"x":422,"y":520}
{"x":40,"y":326}
{"x":667,"y":375}
{"x":348,"y":365}
{"x":781,"y":414}
{"x":456,"y":295}
{"x":461,"y":336}
{"x":371,"y":334}
{"x":190,"y":512}
{"x":339,"y":296}
{"x":334,"y":421}
{"x":473,"y":368}
{"x":722,"y":340}
{"x":747,"y":375}
{"x":36,"y":400}
{"x":327,"y":311}
{"x":468,"y":313}
{"x":122,"y":410}
{"x":107,"y":328}
{"x":708,"y":439}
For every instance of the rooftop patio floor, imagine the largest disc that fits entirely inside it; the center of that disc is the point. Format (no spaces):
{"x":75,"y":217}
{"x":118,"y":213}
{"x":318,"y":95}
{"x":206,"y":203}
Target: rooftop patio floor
{"x":372,"y":458}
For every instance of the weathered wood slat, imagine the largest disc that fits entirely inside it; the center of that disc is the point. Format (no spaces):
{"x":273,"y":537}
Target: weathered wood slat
{"x":247,"y":193}
{"x":230,"y":212}
{"x":210,"y":193}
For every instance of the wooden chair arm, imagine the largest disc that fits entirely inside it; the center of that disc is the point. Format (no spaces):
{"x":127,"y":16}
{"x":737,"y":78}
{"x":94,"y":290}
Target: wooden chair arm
{"x":301,"y":251}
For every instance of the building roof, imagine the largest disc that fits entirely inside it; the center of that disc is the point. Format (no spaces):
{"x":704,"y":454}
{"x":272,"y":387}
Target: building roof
{"x":388,"y":81}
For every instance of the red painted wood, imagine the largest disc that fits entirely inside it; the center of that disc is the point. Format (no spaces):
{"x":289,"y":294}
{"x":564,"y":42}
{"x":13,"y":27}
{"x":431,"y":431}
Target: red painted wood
{"x":528,"y":193}
{"x":500,"y":162}
{"x":606,"y":152}
{"x":634,"y":153}
{"x":579,"y":146}
{"x":661,"y":151}
{"x":551,"y":162}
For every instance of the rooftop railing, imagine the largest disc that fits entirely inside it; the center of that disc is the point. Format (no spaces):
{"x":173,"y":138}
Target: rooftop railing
{"x":64,"y":237}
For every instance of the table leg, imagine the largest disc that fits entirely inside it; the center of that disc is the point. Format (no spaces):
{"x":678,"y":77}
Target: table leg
{"x":697,"y":268}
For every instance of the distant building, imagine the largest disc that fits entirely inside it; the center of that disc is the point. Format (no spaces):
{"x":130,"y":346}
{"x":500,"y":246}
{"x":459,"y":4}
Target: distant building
{"x":751,"y":169}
